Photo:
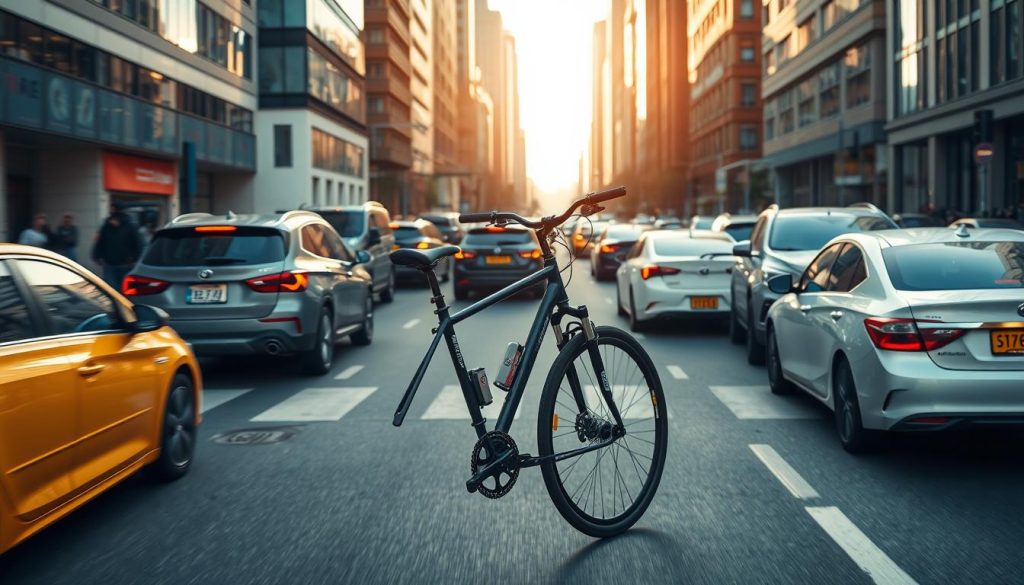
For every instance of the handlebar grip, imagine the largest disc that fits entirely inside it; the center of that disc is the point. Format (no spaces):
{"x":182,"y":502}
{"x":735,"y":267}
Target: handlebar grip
{"x":607,"y":194}
{"x":475,"y":217}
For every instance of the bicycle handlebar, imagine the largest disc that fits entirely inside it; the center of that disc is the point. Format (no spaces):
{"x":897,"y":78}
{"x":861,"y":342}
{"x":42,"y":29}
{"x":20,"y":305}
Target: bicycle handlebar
{"x":547,"y":222}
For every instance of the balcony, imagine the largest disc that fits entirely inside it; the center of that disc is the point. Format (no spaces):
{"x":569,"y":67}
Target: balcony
{"x":392,"y":155}
{"x":391,"y":52}
{"x":390,"y":86}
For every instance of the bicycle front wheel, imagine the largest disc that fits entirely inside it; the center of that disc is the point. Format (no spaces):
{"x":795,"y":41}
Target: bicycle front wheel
{"x":603,"y":492}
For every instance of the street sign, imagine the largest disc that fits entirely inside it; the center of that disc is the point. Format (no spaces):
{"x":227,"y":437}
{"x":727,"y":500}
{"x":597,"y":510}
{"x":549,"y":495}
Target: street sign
{"x":983,"y":153}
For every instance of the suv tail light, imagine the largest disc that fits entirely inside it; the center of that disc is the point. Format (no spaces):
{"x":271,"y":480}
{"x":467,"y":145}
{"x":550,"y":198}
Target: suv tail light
{"x":531,"y":254}
{"x":137,"y":286}
{"x":904,"y":335}
{"x":465,"y":255}
{"x":609,"y":248}
{"x":282,"y":282}
{"x":655,"y":270}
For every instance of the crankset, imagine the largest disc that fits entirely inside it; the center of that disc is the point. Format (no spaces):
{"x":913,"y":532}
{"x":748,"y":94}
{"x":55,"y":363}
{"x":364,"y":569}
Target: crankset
{"x":495,"y":465}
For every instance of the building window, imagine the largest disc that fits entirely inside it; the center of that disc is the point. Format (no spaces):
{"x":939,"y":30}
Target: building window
{"x":376,"y":104}
{"x":828,"y":16}
{"x":858,"y":76}
{"x":782,"y":51}
{"x":282,"y":70}
{"x":807,"y":33}
{"x":805,"y":92}
{"x":748,"y":137}
{"x":748,"y":95}
{"x":334,"y":154}
{"x":282,"y":145}
{"x":1005,"y":41}
{"x":375,"y":71}
{"x":375,"y":36}
{"x":335,"y":87}
{"x":746,"y":8}
{"x":786,"y":115}
{"x":769,"y":120}
{"x":828,"y":90}
{"x":769,"y":63}
{"x":747,"y":54}
{"x":910,"y":56}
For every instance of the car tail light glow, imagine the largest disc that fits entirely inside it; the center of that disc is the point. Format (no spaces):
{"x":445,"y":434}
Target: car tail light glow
{"x":904,"y":335}
{"x":422,"y":245}
{"x":294,"y":320}
{"x":655,"y":270}
{"x":215,"y":228}
{"x":282,"y":282}
{"x":496,"y":229}
{"x":531,"y":254}
{"x":136,"y":286}
{"x":578,"y":236}
{"x":465,"y":255}
{"x":395,"y":247}
{"x":609,"y":248}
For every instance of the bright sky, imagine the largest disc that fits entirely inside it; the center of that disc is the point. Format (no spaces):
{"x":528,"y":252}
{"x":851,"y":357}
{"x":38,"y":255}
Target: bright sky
{"x":554,"y":43}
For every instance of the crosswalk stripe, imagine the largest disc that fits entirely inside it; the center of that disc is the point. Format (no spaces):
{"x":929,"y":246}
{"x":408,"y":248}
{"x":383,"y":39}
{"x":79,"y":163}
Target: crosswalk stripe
{"x":316,"y":404}
{"x":214,"y":398}
{"x":450,"y":405}
{"x":411,"y":323}
{"x":349,"y":372}
{"x":757,"y":402}
{"x":677,"y":372}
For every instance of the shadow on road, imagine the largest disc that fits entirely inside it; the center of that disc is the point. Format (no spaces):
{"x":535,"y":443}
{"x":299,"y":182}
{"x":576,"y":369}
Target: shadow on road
{"x":638,"y":543}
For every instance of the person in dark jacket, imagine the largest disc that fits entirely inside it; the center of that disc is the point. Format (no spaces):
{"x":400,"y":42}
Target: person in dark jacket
{"x":65,"y":239}
{"x":116,"y":249}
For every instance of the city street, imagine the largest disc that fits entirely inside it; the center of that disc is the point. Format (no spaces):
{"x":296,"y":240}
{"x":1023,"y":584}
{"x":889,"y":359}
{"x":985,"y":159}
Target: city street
{"x":756,"y":488}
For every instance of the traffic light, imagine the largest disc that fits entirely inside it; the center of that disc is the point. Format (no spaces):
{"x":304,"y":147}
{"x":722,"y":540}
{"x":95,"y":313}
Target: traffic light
{"x":982,"y":126}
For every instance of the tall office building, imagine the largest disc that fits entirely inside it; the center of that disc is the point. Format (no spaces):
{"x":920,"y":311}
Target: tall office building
{"x":312,"y":70}
{"x":445,"y":106}
{"x":389,"y":99}
{"x":955,"y":80}
{"x":102,"y":100}
{"x":824,"y":103}
{"x":725,"y":125}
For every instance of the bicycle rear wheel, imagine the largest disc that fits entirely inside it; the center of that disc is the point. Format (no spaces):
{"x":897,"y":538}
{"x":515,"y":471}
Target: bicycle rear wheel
{"x":603,"y":492}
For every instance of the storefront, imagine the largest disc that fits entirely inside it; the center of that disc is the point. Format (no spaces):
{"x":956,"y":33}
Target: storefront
{"x":141,"y":187}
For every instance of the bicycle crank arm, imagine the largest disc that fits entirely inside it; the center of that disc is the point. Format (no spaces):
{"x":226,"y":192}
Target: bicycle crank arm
{"x":491,"y":469}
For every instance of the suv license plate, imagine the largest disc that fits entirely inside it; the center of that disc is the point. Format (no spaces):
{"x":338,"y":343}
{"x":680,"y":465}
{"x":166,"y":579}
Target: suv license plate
{"x":703,"y":303}
{"x":498,"y":260}
{"x":205,"y":294}
{"x":1007,"y":342}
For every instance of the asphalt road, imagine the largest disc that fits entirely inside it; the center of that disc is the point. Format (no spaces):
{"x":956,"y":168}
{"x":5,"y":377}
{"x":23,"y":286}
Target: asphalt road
{"x":356,"y":500}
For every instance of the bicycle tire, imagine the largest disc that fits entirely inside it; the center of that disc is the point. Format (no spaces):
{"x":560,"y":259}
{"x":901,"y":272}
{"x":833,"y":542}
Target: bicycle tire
{"x":547,"y":425}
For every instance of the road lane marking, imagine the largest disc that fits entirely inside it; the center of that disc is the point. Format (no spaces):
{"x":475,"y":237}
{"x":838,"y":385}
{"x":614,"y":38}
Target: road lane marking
{"x":214,"y":398}
{"x":349,"y":372}
{"x":315,"y":404}
{"x":783,"y":472}
{"x":879,"y":567}
{"x":411,"y":324}
{"x":451,"y":405}
{"x":757,"y":402}
{"x":677,"y":372}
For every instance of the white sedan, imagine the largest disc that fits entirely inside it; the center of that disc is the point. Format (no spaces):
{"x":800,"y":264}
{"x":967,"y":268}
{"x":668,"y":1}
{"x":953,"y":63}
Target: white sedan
{"x":675,"y":273}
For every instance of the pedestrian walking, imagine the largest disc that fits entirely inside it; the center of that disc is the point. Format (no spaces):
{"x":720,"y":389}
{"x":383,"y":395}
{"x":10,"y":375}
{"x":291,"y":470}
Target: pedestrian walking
{"x":38,"y":234}
{"x":117,"y":248}
{"x":65,"y":240}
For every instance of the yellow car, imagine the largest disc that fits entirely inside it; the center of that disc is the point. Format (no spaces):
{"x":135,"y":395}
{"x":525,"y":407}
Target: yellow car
{"x":92,"y":389}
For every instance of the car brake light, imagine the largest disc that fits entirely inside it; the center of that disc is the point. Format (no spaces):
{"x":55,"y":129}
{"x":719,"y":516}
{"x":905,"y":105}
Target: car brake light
{"x":215,"y":228}
{"x":395,"y":247}
{"x":531,"y":254}
{"x":609,"y":248}
{"x":578,"y":236}
{"x":422,"y":245}
{"x":282,"y":282}
{"x":465,"y":255}
{"x":496,"y":229}
{"x":136,"y":286}
{"x":655,"y":270}
{"x":904,"y":335}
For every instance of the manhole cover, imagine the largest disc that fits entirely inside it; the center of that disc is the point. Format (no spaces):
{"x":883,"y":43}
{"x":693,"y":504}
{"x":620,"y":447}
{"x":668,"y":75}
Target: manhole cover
{"x":257,"y":436}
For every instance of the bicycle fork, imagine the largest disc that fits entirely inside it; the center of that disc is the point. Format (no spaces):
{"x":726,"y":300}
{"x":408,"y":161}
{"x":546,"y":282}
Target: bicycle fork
{"x":597,"y":363}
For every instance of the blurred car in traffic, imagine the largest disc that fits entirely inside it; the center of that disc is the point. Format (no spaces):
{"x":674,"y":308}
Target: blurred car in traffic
{"x":94,"y":389}
{"x":701,"y":222}
{"x":367,"y":227}
{"x":585,"y":234}
{"x":915,"y":220}
{"x":420,"y":235}
{"x":905,"y":330}
{"x":611,"y":248}
{"x":988,"y":222}
{"x":668,"y":223}
{"x":784,"y":242}
{"x":644,"y":219}
{"x":493,"y":257}
{"x":674,"y":273}
{"x":279,"y":284}
{"x":738,"y":227}
{"x":447,"y":222}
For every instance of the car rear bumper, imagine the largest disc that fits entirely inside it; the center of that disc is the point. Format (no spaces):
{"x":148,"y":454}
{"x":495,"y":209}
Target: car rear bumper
{"x":659,"y":300}
{"x":276,"y":334}
{"x":489,"y":278}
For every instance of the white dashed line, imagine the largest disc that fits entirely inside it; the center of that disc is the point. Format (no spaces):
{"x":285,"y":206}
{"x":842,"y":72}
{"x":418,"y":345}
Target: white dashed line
{"x":315,"y":404}
{"x":757,"y":402}
{"x":783,"y":472}
{"x":677,"y":372}
{"x":348,"y":372}
{"x":879,"y":567}
{"x":411,"y":324}
{"x":214,"y":398}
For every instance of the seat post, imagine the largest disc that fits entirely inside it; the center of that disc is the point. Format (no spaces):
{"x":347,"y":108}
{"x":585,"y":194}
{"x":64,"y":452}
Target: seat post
{"x":435,"y":289}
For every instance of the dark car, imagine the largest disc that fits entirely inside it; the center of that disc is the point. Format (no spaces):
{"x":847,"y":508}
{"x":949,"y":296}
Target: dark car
{"x":448,"y":224}
{"x":421,"y":235}
{"x":784,"y":242}
{"x":367,"y":227}
{"x":915,"y":220}
{"x":611,"y":248}
{"x":494,"y":257}
{"x":988,"y":222}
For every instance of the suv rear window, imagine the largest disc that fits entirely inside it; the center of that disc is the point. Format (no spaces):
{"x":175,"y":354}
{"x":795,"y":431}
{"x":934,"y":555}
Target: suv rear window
{"x":956,"y":266}
{"x":684,"y":246}
{"x":407,"y":233}
{"x":792,"y":233}
{"x":497,"y":238}
{"x":438,"y":220}
{"x":348,"y":224}
{"x":740,"y":231}
{"x":187,"y":247}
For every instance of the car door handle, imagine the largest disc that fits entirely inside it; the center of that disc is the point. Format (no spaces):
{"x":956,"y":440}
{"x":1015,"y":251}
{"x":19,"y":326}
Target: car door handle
{"x":836,"y":315}
{"x":90,"y":370}
{"x":805,"y":308}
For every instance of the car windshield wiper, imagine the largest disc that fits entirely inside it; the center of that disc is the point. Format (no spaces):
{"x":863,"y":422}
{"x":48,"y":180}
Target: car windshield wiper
{"x":216,"y":260}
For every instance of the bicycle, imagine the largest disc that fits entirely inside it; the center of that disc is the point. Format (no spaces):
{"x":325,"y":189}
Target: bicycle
{"x":619,"y":417}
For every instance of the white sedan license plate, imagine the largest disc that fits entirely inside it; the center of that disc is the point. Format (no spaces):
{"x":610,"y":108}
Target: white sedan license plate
{"x":203,"y":294}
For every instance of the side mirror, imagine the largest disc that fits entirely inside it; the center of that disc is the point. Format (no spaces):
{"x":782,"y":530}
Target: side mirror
{"x":373,"y":238}
{"x":148,"y":318}
{"x":781,"y":284}
{"x":362,"y":257}
{"x":742,"y":249}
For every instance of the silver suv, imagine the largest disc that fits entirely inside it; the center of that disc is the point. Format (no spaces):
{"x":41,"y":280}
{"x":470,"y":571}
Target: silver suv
{"x":281,"y":284}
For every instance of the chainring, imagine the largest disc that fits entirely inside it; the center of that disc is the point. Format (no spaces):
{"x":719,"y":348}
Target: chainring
{"x":504,"y":479}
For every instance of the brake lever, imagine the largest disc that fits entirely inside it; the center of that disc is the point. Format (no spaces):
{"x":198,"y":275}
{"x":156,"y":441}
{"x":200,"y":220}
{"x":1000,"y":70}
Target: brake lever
{"x":589,"y":209}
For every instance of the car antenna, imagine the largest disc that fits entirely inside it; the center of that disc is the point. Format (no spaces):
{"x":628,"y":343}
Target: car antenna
{"x":962,"y":231}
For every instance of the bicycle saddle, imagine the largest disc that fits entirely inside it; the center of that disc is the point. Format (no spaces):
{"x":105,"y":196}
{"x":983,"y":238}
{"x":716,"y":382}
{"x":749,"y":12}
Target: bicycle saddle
{"x":422,"y":258}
